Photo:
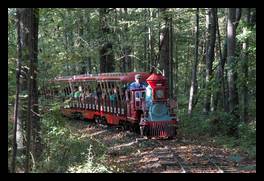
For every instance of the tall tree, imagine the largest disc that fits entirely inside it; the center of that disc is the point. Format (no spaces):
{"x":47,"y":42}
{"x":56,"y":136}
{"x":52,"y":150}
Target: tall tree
{"x":245,"y":68}
{"x":27,"y":30}
{"x":211,"y":36}
{"x":171,"y":85}
{"x":175,"y":80}
{"x":23,"y":25}
{"x":146,"y":42}
{"x":127,"y":60}
{"x":164,"y":42}
{"x":224,"y":89}
{"x":85,"y":61}
{"x":151,"y":40}
{"x":165,"y":61}
{"x":106,"y":52}
{"x":18,"y":72}
{"x":193,"y":88}
{"x":36,"y":137}
{"x":220,"y":89}
{"x":233,"y":19}
{"x":33,"y":125}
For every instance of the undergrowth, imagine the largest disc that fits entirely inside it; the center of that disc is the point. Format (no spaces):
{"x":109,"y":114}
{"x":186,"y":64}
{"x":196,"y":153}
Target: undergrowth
{"x":68,"y":151}
{"x":222,"y":128}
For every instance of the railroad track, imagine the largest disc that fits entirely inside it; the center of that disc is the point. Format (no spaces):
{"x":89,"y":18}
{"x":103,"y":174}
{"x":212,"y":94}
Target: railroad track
{"x":169,"y":160}
{"x":177,"y":161}
{"x":172,"y":156}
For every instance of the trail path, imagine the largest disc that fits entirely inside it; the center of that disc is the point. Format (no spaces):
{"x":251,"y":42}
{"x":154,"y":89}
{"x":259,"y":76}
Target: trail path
{"x":127,"y":152}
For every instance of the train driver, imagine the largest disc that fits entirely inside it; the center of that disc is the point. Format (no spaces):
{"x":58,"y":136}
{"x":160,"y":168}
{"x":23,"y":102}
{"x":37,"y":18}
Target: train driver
{"x":137,"y":84}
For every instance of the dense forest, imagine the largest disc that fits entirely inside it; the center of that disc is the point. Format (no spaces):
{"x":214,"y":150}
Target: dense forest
{"x":208,"y":56}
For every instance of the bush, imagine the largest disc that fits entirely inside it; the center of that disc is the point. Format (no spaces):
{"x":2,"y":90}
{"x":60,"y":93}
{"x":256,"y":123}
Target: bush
{"x":247,"y":138}
{"x":89,"y":166}
{"x":215,"y":124}
{"x":222,"y":123}
{"x":64,"y":149}
{"x":225,"y":128}
{"x":195,"y":125}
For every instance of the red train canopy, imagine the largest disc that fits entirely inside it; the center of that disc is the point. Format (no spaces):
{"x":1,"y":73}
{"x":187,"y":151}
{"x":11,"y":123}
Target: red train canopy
{"x":122,"y":77}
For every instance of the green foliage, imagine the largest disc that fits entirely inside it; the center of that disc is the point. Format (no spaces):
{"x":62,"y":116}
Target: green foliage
{"x":66,"y":151}
{"x":89,"y":165}
{"x":63,"y":48}
{"x":226,"y":141}
{"x":193,"y":126}
{"x":245,"y":141}
{"x":12,"y":56}
{"x":222,"y":127}
{"x":215,"y":124}
{"x":222,"y":123}
{"x":247,"y":137}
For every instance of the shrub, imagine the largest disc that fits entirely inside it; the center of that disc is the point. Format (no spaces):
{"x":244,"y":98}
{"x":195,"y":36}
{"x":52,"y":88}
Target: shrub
{"x":247,"y":138}
{"x":65,"y":150}
{"x":222,"y":123}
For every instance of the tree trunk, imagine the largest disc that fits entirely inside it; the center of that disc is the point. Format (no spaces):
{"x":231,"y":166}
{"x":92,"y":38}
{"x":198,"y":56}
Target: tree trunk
{"x":224,"y":88}
{"x":24,"y":42}
{"x":171,"y":59}
{"x":29,"y":116}
{"x":127,"y":49}
{"x":231,"y":61}
{"x":145,"y":42}
{"x":187,"y":70}
{"x":253,"y":17}
{"x":18,"y":70}
{"x":33,"y":125}
{"x":211,"y":36}
{"x":151,"y":41}
{"x":219,"y":95}
{"x":23,"y":55}
{"x":165,"y":49}
{"x":106,"y":53}
{"x":85,"y":61}
{"x":176,"y":67}
{"x":193,"y":88}
{"x":27,"y":54}
{"x":224,"y":85}
{"x":245,"y":71}
{"x":164,"y":43}
{"x":219,"y":70}
{"x":106,"y":58}
{"x":37,"y":142}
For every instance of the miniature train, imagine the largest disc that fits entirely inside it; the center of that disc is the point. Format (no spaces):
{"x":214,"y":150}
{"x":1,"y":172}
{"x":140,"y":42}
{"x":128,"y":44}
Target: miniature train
{"x":107,"y":99}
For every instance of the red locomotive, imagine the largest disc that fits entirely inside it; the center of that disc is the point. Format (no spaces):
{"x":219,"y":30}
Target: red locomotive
{"x":107,"y":99}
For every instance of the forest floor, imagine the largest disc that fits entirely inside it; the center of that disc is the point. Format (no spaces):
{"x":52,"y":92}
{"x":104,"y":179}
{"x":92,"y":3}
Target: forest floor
{"x":127,"y":152}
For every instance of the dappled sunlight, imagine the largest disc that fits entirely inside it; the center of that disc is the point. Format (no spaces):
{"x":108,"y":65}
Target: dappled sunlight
{"x":135,"y":90}
{"x":123,"y":145}
{"x":97,"y":133}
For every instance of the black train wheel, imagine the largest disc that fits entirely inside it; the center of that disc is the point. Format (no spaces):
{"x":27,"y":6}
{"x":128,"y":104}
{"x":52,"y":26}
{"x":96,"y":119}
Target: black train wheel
{"x":77,"y":115}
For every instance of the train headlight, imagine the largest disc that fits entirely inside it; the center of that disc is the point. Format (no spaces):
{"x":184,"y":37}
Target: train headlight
{"x":159,"y":110}
{"x":159,"y":94}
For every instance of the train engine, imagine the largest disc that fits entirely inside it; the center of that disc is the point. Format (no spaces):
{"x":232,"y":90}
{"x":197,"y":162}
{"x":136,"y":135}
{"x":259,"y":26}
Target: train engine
{"x":157,"y":120}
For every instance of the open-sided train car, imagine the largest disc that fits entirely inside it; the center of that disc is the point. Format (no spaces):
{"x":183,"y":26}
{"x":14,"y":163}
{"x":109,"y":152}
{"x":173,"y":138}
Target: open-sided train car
{"x":107,"y":99}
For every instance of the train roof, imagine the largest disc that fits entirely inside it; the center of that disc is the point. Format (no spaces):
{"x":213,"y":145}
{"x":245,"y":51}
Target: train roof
{"x":120,"y":77}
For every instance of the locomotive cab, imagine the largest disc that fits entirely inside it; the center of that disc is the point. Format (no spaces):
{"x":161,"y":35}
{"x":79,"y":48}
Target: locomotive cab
{"x":135,"y":103}
{"x":138,"y":99}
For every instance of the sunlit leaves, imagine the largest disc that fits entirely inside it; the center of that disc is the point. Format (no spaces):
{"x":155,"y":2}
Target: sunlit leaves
{"x":246,"y":33}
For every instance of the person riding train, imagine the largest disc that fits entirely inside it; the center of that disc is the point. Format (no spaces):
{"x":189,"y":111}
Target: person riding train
{"x":137,"y":84}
